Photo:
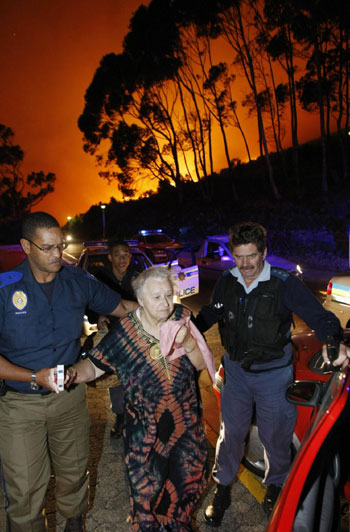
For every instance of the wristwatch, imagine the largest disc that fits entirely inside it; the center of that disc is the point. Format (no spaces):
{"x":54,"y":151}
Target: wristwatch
{"x":33,"y":384}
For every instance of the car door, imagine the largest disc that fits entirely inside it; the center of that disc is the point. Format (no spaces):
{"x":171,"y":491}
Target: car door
{"x":309,"y":501}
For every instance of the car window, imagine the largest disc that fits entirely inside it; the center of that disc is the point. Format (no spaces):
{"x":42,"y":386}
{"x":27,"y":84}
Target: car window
{"x":318,"y":508}
{"x":140,"y":262}
{"x":96,"y":262}
{"x":215,"y":251}
{"x":333,"y":389}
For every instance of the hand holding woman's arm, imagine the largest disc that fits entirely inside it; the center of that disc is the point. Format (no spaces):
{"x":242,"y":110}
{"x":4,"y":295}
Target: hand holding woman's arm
{"x":186,"y":340}
{"x":83,"y":371}
{"x":45,"y":377}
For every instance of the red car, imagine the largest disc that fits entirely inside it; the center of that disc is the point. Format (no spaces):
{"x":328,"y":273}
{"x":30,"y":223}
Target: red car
{"x":157,"y":245}
{"x":310,"y":499}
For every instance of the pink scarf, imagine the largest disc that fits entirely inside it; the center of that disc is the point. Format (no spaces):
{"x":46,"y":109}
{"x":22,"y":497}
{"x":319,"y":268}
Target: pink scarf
{"x":168,"y":332}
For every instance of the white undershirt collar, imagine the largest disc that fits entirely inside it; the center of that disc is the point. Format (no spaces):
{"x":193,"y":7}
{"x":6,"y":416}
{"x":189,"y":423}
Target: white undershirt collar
{"x":264,"y":276}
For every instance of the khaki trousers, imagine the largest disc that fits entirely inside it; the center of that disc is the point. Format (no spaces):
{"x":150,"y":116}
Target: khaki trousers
{"x":33,"y":429}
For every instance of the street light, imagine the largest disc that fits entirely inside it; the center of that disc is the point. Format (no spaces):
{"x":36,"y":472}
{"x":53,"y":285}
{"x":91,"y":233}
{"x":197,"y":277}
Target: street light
{"x":103,"y":221}
{"x":69,"y":237}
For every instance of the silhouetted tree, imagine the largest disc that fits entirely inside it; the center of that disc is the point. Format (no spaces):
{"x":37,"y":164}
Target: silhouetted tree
{"x":235,"y":24}
{"x":281,"y":46}
{"x":323,"y":33}
{"x":18,"y":194}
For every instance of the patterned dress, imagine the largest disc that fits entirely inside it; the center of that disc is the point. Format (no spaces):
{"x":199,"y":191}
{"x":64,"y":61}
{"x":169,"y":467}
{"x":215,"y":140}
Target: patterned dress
{"x":165,"y":446}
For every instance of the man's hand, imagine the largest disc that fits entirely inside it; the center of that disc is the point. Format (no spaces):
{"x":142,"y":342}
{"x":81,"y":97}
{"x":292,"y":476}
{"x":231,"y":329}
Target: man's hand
{"x":124,"y":307}
{"x":103,"y":322}
{"x":343,"y":356}
{"x":47,"y":378}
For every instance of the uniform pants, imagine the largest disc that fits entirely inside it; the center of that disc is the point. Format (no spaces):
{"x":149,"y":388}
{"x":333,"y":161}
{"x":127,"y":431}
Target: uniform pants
{"x":33,"y":430}
{"x":275,"y":419}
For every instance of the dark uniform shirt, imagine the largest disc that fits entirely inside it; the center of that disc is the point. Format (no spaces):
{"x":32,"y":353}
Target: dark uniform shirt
{"x":36,"y":333}
{"x":123,"y":288}
{"x":295,"y":298}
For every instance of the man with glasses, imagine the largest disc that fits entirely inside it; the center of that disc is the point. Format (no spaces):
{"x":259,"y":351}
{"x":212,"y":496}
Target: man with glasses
{"x":42,"y":305}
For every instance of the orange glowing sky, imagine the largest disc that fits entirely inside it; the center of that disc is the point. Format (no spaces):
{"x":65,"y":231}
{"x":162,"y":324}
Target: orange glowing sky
{"x":49,"y":51}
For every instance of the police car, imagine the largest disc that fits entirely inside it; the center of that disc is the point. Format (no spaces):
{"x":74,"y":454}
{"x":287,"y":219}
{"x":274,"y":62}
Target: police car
{"x":95,"y":256}
{"x":156,"y":244}
{"x":214,"y":256}
{"x":338,"y":298}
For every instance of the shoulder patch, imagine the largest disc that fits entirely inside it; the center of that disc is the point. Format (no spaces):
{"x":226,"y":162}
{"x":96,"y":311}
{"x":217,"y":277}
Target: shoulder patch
{"x":280,"y":273}
{"x":9,"y":278}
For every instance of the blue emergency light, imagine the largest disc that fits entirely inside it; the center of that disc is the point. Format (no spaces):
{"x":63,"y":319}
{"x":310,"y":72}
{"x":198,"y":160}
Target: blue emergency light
{"x":146,"y":232}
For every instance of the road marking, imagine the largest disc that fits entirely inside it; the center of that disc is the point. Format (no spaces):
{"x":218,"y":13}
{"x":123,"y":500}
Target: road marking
{"x":252,"y":483}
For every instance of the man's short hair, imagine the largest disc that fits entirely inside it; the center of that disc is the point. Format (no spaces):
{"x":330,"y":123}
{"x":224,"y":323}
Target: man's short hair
{"x":117,"y":242}
{"x":247,"y":233}
{"x":37,"y":220}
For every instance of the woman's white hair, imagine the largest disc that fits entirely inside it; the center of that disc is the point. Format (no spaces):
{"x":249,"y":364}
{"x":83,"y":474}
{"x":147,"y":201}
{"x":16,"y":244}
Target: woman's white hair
{"x":155,"y":272}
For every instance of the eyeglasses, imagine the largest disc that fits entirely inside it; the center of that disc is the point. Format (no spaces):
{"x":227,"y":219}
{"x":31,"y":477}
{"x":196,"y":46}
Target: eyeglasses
{"x":49,"y":248}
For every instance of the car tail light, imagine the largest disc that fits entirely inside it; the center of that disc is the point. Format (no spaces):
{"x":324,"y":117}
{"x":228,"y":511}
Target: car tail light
{"x":329,"y":288}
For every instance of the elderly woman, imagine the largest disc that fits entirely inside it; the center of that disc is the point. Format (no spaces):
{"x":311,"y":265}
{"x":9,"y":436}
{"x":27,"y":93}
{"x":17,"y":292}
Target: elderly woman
{"x":165,"y":446}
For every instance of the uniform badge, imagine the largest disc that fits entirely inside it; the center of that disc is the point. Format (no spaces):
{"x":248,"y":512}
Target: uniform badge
{"x":19,"y":299}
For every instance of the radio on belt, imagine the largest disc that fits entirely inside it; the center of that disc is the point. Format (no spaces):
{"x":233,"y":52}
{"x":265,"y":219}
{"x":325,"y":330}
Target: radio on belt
{"x":60,"y":377}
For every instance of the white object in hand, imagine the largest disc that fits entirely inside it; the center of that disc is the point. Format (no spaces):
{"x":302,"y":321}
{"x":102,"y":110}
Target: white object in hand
{"x":60,"y":377}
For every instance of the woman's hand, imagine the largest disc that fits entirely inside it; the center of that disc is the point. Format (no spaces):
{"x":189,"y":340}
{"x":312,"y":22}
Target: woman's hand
{"x":185,"y":339}
{"x":84,"y":371}
{"x":103,"y":322}
{"x":70,"y":376}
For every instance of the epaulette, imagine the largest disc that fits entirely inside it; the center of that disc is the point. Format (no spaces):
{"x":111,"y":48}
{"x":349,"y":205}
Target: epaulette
{"x":79,"y":272}
{"x":90,"y":276}
{"x":9,"y":278}
{"x":280,"y":273}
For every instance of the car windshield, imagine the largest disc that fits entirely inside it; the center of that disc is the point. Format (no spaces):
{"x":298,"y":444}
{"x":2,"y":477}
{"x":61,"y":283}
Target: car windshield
{"x":333,"y":390}
{"x":140,"y":261}
{"x":158,"y":238}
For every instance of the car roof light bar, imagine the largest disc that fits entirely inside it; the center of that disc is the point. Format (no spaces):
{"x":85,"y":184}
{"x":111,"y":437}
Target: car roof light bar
{"x":145,"y":232}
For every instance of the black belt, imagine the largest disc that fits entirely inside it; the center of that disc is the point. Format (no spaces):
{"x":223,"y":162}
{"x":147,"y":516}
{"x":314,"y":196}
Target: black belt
{"x":10,"y":389}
